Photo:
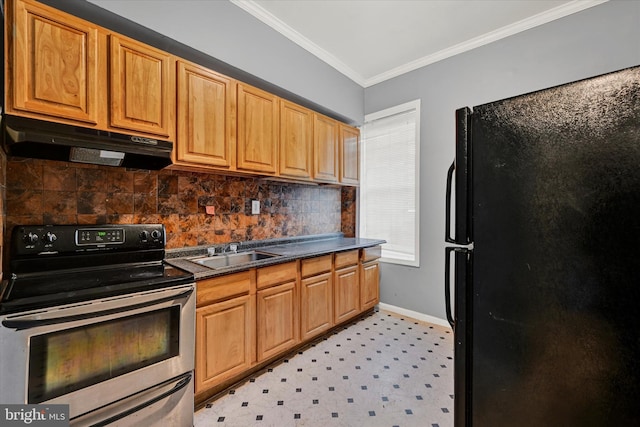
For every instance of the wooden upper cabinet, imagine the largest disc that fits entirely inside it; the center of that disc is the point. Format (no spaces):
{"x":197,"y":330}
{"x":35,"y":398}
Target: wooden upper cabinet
{"x":142,"y":90}
{"x":296,"y":140}
{"x":206,"y":117}
{"x":349,"y":155}
{"x":258,"y":127}
{"x":325,"y":149}
{"x":54,"y":67}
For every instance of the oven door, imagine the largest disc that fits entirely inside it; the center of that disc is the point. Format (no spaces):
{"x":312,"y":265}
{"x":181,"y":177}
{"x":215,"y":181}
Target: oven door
{"x":133,"y":349}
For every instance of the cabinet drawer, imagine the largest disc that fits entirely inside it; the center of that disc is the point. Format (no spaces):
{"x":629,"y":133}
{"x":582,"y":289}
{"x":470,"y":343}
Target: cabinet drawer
{"x":369,"y":254}
{"x":317,"y":265}
{"x":219,"y":288}
{"x":275,"y":274}
{"x":344,"y":259}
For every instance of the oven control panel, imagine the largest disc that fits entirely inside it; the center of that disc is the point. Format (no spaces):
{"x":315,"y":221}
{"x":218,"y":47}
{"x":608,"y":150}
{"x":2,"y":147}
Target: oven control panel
{"x":95,"y":236}
{"x":56,"y":239}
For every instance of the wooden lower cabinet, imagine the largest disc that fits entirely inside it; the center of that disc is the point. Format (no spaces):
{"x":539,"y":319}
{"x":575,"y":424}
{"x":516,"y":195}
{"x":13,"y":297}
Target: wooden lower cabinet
{"x":225,"y":340}
{"x":369,"y":285}
{"x":347,"y":293}
{"x":369,"y":277}
{"x":244,"y":320}
{"x":316,"y":296}
{"x":277,"y":327}
{"x":316,"y":305}
{"x":277,"y":324}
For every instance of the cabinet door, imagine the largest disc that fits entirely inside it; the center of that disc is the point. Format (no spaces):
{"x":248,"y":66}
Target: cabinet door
{"x":325,"y":149}
{"x":349,"y":155}
{"x":346,"y":293}
{"x":370,"y":285}
{"x":257,"y":130}
{"x":56,"y":67}
{"x":142,"y":91}
{"x":277,"y":326}
{"x":296,"y":140}
{"x":316,"y":305}
{"x":206,"y":117}
{"x":224,"y":341}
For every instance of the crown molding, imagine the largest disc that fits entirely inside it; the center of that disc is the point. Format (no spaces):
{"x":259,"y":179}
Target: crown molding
{"x":509,"y":30}
{"x":542,"y":18}
{"x":266,"y":17}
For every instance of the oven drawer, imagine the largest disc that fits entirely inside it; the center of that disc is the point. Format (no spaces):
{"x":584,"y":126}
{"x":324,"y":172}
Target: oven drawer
{"x":169,"y":403}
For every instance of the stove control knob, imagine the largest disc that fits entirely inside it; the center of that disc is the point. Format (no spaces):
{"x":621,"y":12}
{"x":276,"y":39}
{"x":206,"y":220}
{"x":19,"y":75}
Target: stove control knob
{"x":155,"y":234}
{"x":31,"y":238}
{"x":144,"y":235}
{"x":50,"y":237}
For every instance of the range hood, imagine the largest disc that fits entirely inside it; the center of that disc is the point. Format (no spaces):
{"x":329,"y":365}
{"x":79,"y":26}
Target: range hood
{"x":31,"y":138}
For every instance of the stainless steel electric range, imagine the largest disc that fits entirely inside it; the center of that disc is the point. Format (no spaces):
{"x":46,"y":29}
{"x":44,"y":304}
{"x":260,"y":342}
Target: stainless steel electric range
{"x":92,"y":317}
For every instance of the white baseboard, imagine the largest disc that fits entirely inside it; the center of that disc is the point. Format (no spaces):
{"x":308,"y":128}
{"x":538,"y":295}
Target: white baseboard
{"x":414,"y":315}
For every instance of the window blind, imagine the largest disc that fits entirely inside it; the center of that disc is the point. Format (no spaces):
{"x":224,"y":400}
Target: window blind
{"x":388,"y":188}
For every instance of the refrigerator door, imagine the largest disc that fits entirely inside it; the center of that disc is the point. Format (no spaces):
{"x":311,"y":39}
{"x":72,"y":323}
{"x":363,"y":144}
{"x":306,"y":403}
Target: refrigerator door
{"x":555,"y":329}
{"x":462,"y":268}
{"x":459,"y":316}
{"x":459,"y":174}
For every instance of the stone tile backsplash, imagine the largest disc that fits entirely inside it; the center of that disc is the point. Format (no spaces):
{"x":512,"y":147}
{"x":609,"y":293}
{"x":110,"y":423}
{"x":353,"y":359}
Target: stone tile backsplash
{"x":49,"y":192}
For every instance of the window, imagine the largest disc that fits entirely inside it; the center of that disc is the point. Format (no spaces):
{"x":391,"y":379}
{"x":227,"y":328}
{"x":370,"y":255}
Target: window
{"x":389,"y":181}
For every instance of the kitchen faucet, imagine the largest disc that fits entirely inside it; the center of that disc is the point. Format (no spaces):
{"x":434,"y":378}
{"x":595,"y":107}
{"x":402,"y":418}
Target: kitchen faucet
{"x":229,"y":247}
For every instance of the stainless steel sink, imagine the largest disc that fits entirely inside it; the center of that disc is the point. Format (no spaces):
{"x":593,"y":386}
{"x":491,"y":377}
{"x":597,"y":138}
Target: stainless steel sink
{"x":233,"y":259}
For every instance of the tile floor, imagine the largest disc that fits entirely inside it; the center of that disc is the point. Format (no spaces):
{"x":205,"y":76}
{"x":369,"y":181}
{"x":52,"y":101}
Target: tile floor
{"x":382,"y":370}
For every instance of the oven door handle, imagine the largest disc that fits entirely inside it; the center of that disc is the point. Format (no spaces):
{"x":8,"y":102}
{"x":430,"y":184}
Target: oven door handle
{"x":166,"y":389}
{"x":85,"y":311}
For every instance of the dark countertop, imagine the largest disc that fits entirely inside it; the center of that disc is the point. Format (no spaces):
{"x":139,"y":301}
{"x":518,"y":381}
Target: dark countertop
{"x":288,"y":249}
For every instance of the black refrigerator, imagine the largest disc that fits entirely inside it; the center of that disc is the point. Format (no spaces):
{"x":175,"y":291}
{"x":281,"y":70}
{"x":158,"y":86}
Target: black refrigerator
{"x":542,"y":281}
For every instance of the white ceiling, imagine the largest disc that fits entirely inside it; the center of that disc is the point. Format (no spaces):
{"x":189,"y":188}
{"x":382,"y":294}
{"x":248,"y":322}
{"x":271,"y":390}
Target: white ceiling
{"x":373,"y":40}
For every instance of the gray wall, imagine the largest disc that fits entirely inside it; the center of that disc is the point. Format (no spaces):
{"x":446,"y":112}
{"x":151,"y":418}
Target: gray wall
{"x":595,"y":41}
{"x":228,"y":33}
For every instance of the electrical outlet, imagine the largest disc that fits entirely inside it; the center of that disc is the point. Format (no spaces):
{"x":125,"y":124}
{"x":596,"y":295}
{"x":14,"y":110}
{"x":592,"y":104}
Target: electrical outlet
{"x":255,"y":207}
